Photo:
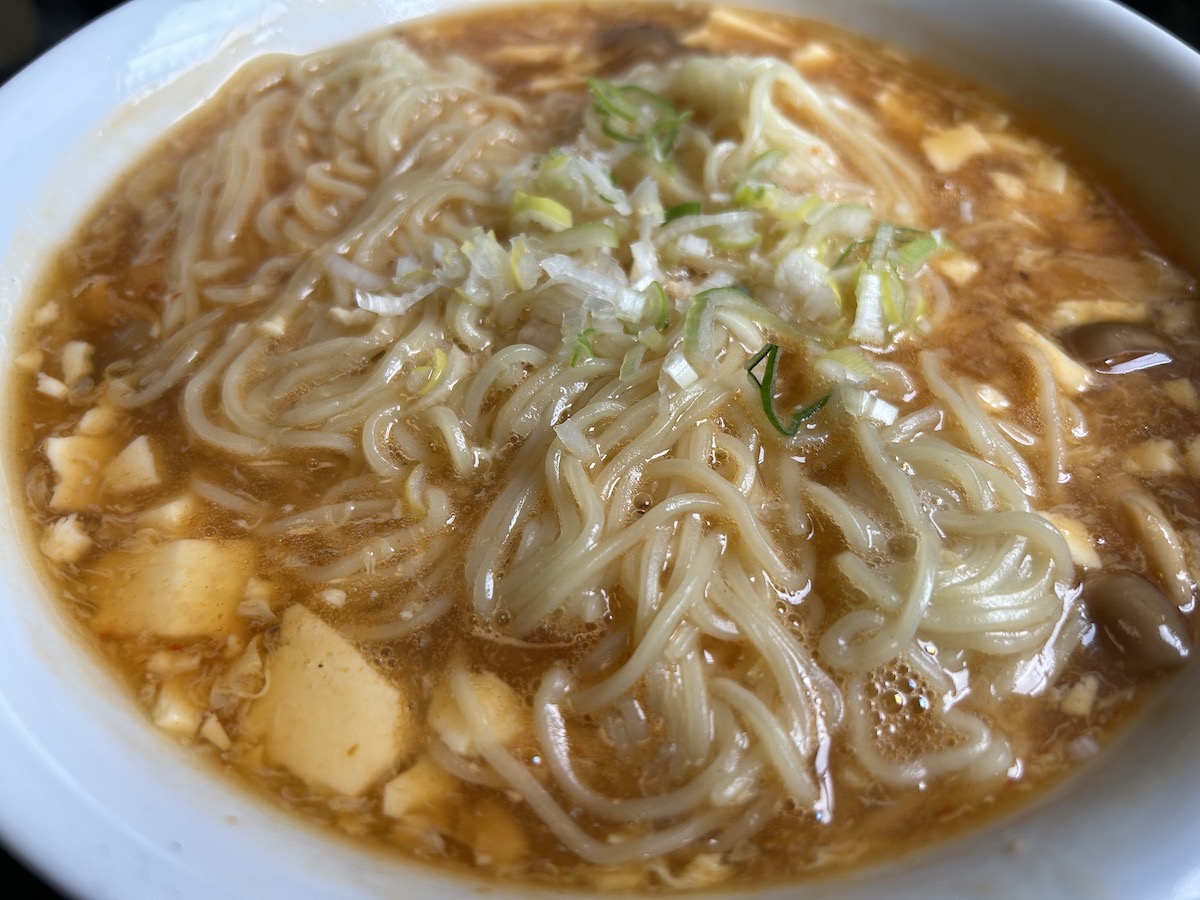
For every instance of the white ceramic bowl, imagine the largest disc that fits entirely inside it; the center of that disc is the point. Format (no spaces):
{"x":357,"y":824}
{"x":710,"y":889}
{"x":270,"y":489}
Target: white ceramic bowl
{"x":95,"y":798}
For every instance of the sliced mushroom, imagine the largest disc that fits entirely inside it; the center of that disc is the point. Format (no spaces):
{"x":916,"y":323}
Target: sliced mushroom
{"x":1117,"y":348}
{"x":626,"y":45}
{"x":1139,"y":622}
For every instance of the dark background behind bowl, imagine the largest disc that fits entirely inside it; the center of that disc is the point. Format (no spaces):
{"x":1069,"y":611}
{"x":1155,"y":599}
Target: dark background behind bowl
{"x":30,"y":27}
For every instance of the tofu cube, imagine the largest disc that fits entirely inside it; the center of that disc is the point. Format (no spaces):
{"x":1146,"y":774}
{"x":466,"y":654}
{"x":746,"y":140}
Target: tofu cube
{"x":1078,"y":538}
{"x":185,"y":588}
{"x":76,"y":361}
{"x":133,"y":469}
{"x":171,"y":516}
{"x":1071,"y":376}
{"x":502,"y":707}
{"x":328,"y":716}
{"x":1080,"y":698}
{"x":66,"y":540}
{"x":77,"y":461}
{"x":99,"y":420}
{"x":493,"y":833}
{"x":949,"y":150}
{"x":174,"y":710}
{"x":424,"y":787}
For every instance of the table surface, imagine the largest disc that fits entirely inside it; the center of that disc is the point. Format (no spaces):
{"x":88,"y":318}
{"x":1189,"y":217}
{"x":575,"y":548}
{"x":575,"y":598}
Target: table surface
{"x":39,"y":24}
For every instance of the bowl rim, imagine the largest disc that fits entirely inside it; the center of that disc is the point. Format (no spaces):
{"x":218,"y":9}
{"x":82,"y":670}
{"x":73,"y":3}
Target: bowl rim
{"x":63,"y":788}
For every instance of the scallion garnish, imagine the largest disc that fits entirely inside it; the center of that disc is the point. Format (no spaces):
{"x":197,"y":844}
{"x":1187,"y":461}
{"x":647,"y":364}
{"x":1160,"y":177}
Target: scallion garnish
{"x":680,"y":210}
{"x":658,"y":305}
{"x":766,"y":392}
{"x":633,"y":115}
{"x":698,"y":339}
{"x":544,"y":211}
{"x":588,"y":236}
{"x":583,"y":348}
{"x":751,"y":189}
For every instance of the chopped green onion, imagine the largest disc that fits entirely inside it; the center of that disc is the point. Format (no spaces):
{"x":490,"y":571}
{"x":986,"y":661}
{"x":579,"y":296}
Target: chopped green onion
{"x":761,"y":165}
{"x":652,"y":338}
{"x":612,"y":99}
{"x":435,"y":371}
{"x":848,"y":363}
{"x":916,"y":252}
{"x":698,"y":324}
{"x":870,"y":325}
{"x":906,"y":248}
{"x":524,"y":265}
{"x":583,"y":348}
{"x":697,"y":327}
{"x":678,"y":369}
{"x":588,"y":236}
{"x":556,"y":158}
{"x":750,"y":188}
{"x":895,"y":300}
{"x":757,"y":196}
{"x":766,"y":393}
{"x":658,"y":305}
{"x":550,"y":214}
{"x":736,"y":239}
{"x":633,"y":115}
{"x":882,"y":243}
{"x":632,"y":361}
{"x":680,"y":210}
{"x":854,"y":248}
{"x":411,"y":279}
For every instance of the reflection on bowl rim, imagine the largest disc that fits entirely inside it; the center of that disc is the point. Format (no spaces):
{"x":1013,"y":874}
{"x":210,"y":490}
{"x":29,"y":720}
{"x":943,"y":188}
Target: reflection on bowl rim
{"x":106,"y":806}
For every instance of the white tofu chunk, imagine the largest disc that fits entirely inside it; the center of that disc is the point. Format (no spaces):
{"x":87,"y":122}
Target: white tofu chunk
{"x":1157,"y":457}
{"x":957,"y":266}
{"x":52,"y":387}
{"x":172,"y":516}
{"x":705,"y":870}
{"x":77,"y":461}
{"x":133,"y":469}
{"x":1070,"y":375}
{"x":174,"y":710}
{"x":30,"y":361}
{"x":1078,"y":539}
{"x":948,"y":150}
{"x":1051,"y":175}
{"x":423,"y":787}
{"x":1182,"y":393}
{"x":76,"y":361}
{"x":327,"y":715}
{"x":502,"y":707}
{"x":1078,"y":312}
{"x":99,"y":420}
{"x":66,"y":540}
{"x":493,"y":833}
{"x":214,"y":732}
{"x":46,"y":314}
{"x":1012,"y":187}
{"x":1080,"y":698}
{"x":185,"y":588}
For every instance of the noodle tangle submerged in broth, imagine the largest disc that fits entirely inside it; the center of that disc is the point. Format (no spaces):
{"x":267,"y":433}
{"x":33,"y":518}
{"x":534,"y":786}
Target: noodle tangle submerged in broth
{"x":623,"y":423}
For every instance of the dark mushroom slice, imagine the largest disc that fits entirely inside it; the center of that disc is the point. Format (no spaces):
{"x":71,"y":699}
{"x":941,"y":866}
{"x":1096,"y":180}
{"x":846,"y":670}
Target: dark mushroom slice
{"x":1117,"y":348}
{"x":1139,"y":622}
{"x":626,"y":45}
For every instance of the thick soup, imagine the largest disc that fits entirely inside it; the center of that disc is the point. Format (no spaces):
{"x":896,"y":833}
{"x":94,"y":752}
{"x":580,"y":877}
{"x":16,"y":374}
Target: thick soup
{"x":638,"y":448}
